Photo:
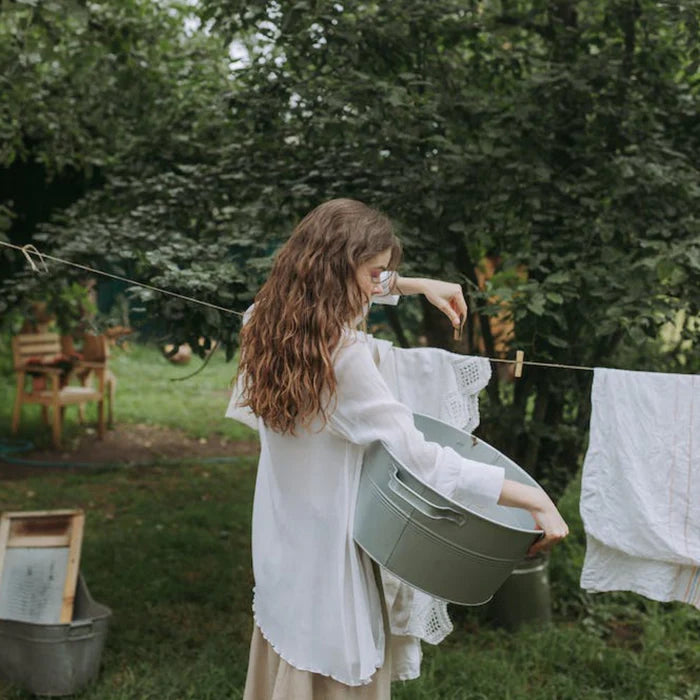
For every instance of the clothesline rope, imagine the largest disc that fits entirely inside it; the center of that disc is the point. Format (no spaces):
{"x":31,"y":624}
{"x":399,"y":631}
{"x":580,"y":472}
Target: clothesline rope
{"x":541,"y":364}
{"x":29,"y":250}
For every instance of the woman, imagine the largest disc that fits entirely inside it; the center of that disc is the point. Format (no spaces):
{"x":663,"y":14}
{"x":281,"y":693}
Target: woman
{"x":308,"y":382}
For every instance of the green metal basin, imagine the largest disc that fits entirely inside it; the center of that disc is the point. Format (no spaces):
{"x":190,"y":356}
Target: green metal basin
{"x":461,"y":554}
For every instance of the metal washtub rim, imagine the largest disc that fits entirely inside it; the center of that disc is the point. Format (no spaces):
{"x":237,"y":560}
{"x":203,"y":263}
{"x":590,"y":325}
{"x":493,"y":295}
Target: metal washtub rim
{"x":522,"y":571}
{"x":452,"y":502}
{"x":35,"y":640}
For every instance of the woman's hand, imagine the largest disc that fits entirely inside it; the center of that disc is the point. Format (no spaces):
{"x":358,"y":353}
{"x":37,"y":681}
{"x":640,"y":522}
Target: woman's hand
{"x":549,"y":520}
{"x":544,"y":512}
{"x":446,"y":296}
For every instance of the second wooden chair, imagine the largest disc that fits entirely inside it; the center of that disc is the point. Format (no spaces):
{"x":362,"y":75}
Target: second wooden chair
{"x":36,"y":355}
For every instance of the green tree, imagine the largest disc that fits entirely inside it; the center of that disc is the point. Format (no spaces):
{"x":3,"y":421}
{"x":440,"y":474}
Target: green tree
{"x":109,"y":105}
{"x":559,"y":135}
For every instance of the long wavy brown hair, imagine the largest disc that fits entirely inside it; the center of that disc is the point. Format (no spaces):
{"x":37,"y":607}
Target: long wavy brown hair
{"x":300,"y":312}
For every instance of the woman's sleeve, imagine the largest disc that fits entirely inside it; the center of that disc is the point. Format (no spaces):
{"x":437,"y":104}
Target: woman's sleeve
{"x":366,"y":411}
{"x":386,"y":279}
{"x":235,"y":410}
{"x":238,"y":412}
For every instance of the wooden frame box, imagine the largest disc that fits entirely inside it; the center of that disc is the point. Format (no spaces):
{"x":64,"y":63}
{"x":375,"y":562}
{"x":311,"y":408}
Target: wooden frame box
{"x":39,"y":563}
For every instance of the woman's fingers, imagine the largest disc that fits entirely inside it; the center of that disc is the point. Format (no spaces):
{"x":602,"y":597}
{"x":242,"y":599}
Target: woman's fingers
{"x":459,"y":305}
{"x":454,"y":307}
{"x":449,"y":298}
{"x":546,"y":543}
{"x":553,"y":525}
{"x":447,"y":308}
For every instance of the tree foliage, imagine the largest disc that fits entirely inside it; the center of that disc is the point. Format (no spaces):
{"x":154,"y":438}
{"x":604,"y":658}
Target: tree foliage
{"x":120,"y":96}
{"x":560,"y":136}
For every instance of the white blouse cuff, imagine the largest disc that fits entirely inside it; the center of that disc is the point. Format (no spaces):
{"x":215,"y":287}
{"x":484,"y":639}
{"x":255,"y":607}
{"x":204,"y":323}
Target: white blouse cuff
{"x":478,"y":484}
{"x":388,"y":299}
{"x":386,"y":279}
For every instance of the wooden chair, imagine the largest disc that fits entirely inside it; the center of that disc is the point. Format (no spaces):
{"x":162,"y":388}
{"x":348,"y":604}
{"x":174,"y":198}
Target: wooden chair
{"x":96,"y":352}
{"x":32,"y":354}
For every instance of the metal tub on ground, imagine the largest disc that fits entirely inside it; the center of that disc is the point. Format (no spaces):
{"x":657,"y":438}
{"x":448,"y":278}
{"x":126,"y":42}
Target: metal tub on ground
{"x":56,"y":659}
{"x":457,"y":553}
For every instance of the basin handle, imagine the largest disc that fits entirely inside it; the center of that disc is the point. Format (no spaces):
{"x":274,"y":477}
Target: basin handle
{"x":421,"y":503}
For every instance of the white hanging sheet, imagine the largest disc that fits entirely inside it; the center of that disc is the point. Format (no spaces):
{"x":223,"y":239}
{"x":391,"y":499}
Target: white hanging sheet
{"x":640,"y":495}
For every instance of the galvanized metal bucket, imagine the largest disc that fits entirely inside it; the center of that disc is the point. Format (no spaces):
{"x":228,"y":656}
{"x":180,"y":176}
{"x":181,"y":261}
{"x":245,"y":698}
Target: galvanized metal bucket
{"x":524,"y":598}
{"x":456,"y":553}
{"x":56,"y":659}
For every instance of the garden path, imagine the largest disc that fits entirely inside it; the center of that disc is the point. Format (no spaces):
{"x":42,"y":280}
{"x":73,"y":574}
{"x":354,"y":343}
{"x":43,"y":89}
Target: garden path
{"x":129,"y":443}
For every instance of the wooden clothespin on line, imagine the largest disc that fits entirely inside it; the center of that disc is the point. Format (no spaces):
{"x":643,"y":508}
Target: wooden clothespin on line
{"x":519,"y":358}
{"x":457,"y":332}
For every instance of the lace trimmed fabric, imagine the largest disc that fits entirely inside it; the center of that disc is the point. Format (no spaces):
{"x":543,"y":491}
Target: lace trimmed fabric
{"x":446,"y":386}
{"x":430,"y":621}
{"x":461,"y":407}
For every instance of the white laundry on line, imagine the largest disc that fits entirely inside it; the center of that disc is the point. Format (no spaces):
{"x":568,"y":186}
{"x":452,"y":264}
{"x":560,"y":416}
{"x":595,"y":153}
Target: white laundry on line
{"x":640,"y":494}
{"x":446,"y":386}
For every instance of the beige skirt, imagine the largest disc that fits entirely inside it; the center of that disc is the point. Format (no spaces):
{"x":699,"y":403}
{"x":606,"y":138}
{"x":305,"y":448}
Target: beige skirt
{"x":271,"y":678}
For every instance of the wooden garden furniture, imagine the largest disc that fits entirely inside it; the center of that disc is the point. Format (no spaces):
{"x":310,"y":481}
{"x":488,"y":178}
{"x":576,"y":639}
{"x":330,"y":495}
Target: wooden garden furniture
{"x":95,"y":350}
{"x":35,"y":355}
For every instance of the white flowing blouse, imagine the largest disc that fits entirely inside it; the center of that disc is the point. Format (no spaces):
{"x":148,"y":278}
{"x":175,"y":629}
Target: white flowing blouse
{"x":315,"y":598}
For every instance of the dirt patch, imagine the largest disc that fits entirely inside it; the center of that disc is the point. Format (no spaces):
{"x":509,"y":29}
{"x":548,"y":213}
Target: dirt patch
{"x":628,"y":635}
{"x":127,"y":444}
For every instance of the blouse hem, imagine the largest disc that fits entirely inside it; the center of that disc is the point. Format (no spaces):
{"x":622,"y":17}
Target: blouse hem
{"x":301,"y":667}
{"x":410,"y":676}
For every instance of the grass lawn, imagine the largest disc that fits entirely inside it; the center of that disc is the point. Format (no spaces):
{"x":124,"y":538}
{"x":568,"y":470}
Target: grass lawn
{"x":148,"y":391}
{"x":167,"y":549}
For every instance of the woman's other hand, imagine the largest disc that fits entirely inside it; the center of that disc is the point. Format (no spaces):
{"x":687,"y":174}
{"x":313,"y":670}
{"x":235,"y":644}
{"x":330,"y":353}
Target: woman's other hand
{"x":446,"y":296}
{"x":545,"y":513}
{"x":555,"y":529}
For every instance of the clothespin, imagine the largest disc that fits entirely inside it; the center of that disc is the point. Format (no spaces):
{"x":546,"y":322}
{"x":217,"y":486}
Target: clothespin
{"x":457,"y":332}
{"x":519,"y":358}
